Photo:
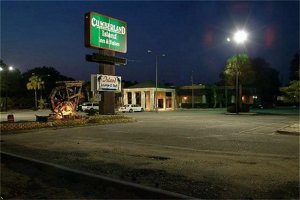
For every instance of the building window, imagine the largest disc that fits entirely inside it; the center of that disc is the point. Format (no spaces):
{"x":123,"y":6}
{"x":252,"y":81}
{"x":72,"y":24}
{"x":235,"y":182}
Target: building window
{"x":185,"y":99}
{"x":169,"y":102}
{"x":168,"y":99}
{"x":129,"y":98}
{"x":197,"y":99}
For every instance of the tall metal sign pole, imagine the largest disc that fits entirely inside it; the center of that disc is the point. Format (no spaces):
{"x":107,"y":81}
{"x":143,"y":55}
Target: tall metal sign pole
{"x":109,"y":35}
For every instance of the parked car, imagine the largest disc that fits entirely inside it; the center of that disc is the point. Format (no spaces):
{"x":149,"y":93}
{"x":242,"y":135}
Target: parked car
{"x":86,"y":106}
{"x":257,"y":105}
{"x":131,"y":108}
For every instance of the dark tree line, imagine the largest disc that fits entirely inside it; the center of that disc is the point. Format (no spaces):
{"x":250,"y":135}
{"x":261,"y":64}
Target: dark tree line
{"x":292,"y":90}
{"x":266,"y":80}
{"x":13,"y":85}
{"x":294,"y":68}
{"x":253,"y":73}
{"x":48,"y":74}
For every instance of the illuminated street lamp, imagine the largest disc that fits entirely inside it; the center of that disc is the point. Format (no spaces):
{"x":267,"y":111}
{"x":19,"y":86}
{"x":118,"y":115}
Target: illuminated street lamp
{"x":156,"y":69}
{"x":240,"y":37}
{"x":6,"y":70}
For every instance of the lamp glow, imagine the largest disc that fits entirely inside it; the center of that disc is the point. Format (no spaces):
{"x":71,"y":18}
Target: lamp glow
{"x":240,"y":36}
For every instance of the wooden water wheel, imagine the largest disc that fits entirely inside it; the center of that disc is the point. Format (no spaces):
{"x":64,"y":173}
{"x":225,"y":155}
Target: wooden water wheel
{"x":65,"y":98}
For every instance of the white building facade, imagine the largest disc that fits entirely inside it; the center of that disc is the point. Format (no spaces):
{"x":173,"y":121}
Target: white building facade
{"x":144,"y":95}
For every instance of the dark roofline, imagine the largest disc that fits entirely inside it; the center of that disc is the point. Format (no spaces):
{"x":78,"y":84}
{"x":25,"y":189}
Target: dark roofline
{"x":151,"y":84}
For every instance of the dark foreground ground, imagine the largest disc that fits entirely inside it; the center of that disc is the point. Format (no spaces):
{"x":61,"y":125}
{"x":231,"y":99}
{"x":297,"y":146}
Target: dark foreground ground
{"x":203,"y":154}
{"x":26,"y":178}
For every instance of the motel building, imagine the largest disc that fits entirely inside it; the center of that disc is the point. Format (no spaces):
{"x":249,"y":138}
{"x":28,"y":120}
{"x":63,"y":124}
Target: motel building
{"x":172,"y":98}
{"x":143,"y":94}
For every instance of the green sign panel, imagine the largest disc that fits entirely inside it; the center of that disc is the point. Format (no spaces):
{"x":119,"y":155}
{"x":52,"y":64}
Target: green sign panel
{"x":103,"y":32}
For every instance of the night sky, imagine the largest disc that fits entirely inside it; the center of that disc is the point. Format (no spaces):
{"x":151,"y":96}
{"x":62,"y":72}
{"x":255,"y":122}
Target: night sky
{"x":191,"y":34}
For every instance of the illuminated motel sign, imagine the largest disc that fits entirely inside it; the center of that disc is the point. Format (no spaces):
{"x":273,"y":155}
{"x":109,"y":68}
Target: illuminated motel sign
{"x":108,"y":83}
{"x":101,"y":82}
{"x":105,"y":32}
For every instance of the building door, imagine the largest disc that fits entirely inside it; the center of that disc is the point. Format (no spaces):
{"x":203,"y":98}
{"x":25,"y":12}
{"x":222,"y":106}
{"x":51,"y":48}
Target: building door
{"x":160,"y":103}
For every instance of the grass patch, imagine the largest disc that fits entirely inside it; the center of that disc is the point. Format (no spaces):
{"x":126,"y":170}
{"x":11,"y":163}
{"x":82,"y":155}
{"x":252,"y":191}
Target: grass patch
{"x":277,"y":111}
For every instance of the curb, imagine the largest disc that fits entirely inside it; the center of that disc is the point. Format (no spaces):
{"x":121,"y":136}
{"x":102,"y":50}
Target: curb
{"x":240,"y":113}
{"x":288,"y":132}
{"x":292,"y":129}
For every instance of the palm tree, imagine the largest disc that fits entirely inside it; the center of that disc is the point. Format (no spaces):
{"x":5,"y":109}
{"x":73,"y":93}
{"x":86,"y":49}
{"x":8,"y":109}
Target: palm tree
{"x":238,"y":64}
{"x":238,"y":72}
{"x":35,"y":83}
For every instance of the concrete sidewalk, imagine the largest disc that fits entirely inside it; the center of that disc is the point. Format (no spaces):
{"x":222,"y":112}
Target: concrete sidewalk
{"x":293,"y":129}
{"x":24,"y":115}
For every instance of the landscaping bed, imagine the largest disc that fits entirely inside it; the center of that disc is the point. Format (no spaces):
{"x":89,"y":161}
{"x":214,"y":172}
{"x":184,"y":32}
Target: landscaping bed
{"x":81,"y":121}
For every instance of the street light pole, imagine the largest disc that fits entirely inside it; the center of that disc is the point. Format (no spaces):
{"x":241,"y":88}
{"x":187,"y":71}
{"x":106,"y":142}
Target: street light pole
{"x":156,"y":67}
{"x":236,"y":90}
{"x":6,"y":77}
{"x":156,"y":79}
{"x":239,"y":37}
{"x":10,"y":68}
{"x":192,"y":79}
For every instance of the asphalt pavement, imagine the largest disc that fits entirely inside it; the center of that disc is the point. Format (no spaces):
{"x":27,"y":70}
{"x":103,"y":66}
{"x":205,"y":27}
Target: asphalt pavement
{"x":30,"y":115}
{"x":244,"y":155}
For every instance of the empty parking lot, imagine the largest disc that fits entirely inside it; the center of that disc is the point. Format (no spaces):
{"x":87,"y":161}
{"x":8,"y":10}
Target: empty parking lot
{"x":202,"y":153}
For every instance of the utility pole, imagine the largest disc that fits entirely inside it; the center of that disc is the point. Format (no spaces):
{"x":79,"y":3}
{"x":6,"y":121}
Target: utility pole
{"x":156,"y":68}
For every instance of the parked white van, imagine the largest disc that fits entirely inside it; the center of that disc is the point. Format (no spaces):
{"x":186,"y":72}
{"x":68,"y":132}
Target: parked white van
{"x":85,"y":106}
{"x":131,"y":108}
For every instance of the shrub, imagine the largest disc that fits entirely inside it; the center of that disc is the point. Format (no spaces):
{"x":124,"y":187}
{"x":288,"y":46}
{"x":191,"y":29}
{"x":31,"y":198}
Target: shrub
{"x":92,"y":112}
{"x":76,"y":121}
{"x":245,"y":108}
{"x":108,"y":119}
{"x":232,"y":108}
{"x":41,"y":103}
{"x":196,"y":105}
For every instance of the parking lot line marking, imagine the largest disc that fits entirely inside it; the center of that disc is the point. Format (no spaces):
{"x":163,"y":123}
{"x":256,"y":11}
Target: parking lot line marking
{"x":250,"y":130}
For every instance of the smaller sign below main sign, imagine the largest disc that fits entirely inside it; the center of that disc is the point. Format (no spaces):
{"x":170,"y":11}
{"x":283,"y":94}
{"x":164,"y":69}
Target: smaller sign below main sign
{"x":108,"y":83}
{"x":99,"y":58}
